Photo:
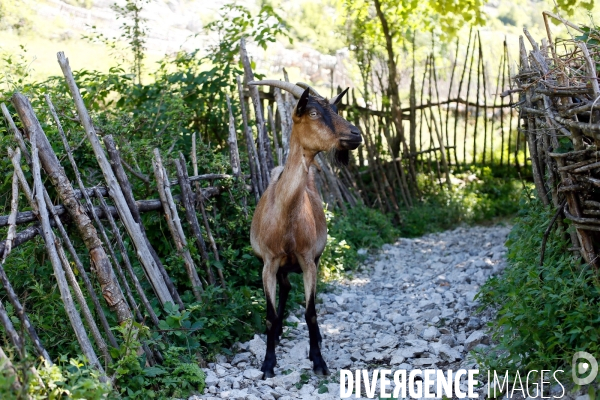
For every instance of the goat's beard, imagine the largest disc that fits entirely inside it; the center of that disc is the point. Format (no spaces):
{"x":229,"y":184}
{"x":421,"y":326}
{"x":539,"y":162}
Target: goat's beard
{"x":338,"y":157}
{"x":342,"y":157}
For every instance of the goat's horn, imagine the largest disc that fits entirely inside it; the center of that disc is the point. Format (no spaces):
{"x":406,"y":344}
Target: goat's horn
{"x":288,"y":86}
{"x":307,"y":86}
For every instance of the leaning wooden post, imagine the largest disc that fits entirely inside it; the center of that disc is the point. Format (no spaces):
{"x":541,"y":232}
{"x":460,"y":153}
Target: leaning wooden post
{"x":12,"y":333}
{"x":74,"y":317}
{"x":253,"y":160}
{"x":286,"y":122}
{"x":264,"y":148}
{"x":16,"y":132}
{"x":12,"y":218}
{"x":232,"y":141}
{"x":126,"y":261}
{"x":110,"y":288}
{"x":143,"y":252}
{"x":117,"y":167}
{"x":190,"y":213}
{"x":99,"y":223}
{"x":234,"y":157}
{"x":174,"y":224}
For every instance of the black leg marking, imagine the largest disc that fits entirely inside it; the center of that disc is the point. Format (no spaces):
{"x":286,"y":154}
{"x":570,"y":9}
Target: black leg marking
{"x":270,"y":359}
{"x":284,"y":290}
{"x":319,"y":365}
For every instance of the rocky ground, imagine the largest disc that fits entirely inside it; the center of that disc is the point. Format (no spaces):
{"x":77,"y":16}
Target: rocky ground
{"x":411,"y":306}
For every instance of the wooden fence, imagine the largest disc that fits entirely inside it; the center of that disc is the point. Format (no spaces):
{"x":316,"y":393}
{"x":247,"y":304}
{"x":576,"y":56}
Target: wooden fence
{"x":473,"y":123}
{"x":559,"y":92}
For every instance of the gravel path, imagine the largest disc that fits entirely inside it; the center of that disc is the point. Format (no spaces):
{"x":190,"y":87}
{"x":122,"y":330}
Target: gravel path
{"x":410,"y":306}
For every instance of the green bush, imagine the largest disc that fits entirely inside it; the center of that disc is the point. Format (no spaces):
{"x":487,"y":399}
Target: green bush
{"x":482,"y":197}
{"x":545,"y":313}
{"x":67,"y":379}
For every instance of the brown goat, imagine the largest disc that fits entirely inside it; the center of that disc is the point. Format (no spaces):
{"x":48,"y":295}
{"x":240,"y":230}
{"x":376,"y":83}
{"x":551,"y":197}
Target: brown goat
{"x":289,"y":231}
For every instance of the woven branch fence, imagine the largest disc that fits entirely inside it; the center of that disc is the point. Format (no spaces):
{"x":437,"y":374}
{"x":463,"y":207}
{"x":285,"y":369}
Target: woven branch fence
{"x":559,"y":93}
{"x":455,"y":116}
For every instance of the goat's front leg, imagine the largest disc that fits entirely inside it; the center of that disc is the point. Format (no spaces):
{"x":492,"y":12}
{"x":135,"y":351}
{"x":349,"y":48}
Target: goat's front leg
{"x":309,"y":270}
{"x":284,"y":290}
{"x":269,"y":274}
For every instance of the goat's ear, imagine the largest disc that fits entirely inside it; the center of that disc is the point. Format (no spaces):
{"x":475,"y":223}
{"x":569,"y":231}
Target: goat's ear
{"x":339,"y":97}
{"x":301,"y":106}
{"x":342,"y":157}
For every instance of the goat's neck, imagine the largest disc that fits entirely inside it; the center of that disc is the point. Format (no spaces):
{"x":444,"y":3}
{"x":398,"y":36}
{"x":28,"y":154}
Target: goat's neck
{"x":296,"y":176}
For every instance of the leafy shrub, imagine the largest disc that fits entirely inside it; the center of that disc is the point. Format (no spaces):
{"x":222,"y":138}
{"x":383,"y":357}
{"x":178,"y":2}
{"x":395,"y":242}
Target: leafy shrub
{"x":68,"y":379}
{"x":178,"y":376}
{"x":482,"y":197}
{"x":545,"y":313}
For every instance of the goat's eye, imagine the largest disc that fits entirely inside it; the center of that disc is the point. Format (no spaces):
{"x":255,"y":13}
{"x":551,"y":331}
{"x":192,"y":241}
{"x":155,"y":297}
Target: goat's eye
{"x":313,"y":114}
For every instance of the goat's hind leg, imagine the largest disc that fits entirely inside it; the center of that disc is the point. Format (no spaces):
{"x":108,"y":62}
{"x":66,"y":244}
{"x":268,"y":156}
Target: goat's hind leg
{"x":310,"y":287}
{"x":270,"y":286}
{"x":284,"y":290}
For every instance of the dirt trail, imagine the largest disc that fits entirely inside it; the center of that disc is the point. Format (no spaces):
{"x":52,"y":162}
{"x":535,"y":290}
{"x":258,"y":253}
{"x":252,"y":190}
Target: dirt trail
{"x":411,"y":306}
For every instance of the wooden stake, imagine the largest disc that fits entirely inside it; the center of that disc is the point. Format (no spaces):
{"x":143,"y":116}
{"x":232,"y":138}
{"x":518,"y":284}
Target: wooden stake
{"x":479,"y":60}
{"x":74,"y":317}
{"x":12,"y":218}
{"x":467,"y":105}
{"x":11,"y":332}
{"x":266,"y":161}
{"x":186,"y":191}
{"x":253,"y":161}
{"x":116,"y":165}
{"x":136,"y":283}
{"x":174,"y":224}
{"x":286,"y":123}
{"x":132,"y":227}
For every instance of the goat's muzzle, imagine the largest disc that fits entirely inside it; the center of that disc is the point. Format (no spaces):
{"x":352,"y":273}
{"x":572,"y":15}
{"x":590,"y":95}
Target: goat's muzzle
{"x":352,"y":140}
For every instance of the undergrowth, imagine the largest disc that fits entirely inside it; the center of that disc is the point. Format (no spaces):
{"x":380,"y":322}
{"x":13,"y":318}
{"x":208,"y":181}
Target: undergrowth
{"x":545,"y":313}
{"x":481,"y":197}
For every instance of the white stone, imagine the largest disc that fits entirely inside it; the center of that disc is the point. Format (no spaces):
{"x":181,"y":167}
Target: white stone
{"x":257,"y":347}
{"x":430,"y":333}
{"x":253,"y":374}
{"x":475,"y":338}
{"x":286,"y":381}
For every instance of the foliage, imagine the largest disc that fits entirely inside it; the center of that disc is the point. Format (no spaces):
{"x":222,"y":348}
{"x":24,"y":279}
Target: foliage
{"x":365,"y":228}
{"x":545,"y":313}
{"x":476,"y":200}
{"x":15,"y":70}
{"x":177,"y":376}
{"x":134,"y":31}
{"x":217,"y":322}
{"x":69,"y":378}
{"x":405,"y":17}
{"x":15,"y":14}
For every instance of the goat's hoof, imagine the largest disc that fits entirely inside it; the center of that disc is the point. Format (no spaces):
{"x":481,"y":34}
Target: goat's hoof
{"x":268,"y":374}
{"x":321,"y":370}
